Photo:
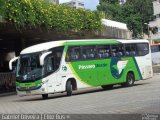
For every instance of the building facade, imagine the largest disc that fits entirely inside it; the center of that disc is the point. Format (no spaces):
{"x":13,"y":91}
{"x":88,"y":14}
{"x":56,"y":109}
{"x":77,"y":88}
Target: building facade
{"x":122,"y":1}
{"x":75,"y":3}
{"x":114,"y":29}
{"x":155,"y":24}
{"x":53,"y":1}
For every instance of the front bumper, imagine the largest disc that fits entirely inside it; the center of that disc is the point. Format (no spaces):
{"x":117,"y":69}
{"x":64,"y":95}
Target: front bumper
{"x":31,"y":91}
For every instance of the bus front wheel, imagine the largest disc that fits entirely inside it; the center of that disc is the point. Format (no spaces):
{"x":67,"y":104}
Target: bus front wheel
{"x":69,"y":88}
{"x":107,"y":87}
{"x":129,"y":80}
{"x":44,"y":96}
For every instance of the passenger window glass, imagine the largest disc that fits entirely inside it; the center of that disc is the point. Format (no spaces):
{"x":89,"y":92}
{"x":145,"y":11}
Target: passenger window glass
{"x":50,"y":64}
{"x":89,"y":52}
{"x":117,"y":51}
{"x":155,"y":49}
{"x":130,"y":50}
{"x":73,"y":53}
{"x":103,"y":51}
{"x":57,"y":52}
{"x":142,"y":49}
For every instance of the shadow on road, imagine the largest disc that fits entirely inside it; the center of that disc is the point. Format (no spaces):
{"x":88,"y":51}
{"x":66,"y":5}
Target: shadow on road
{"x":75,"y":93}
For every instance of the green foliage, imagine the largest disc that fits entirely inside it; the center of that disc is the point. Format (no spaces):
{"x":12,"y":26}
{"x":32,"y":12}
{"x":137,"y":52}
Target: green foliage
{"x":134,"y":13}
{"x":110,"y":8}
{"x":157,"y":41}
{"x":144,"y":9}
{"x":38,"y":13}
{"x":109,"y":1}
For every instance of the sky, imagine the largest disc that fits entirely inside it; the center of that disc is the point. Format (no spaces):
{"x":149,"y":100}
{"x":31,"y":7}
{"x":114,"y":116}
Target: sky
{"x":89,"y":4}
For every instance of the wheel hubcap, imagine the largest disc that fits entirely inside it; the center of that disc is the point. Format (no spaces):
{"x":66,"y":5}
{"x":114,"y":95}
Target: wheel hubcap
{"x":130,"y":79}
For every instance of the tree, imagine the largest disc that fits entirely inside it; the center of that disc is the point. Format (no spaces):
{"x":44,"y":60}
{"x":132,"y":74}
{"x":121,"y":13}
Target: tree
{"x":134,"y":13}
{"x":144,"y":10}
{"x":109,"y":1}
{"x":110,"y":7}
{"x":39,"y":13}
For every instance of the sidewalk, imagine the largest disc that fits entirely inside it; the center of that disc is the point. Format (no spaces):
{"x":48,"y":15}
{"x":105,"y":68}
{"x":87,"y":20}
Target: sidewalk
{"x":156,"y":68}
{"x":7,"y":93}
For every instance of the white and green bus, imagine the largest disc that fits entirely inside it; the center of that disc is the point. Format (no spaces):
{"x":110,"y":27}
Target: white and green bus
{"x":65,"y":66}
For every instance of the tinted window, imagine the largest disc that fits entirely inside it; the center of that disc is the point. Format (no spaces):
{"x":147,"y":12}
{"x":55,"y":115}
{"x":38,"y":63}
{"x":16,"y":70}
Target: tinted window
{"x":57,"y":52}
{"x":155,"y":49}
{"x":88,"y":52}
{"x":50,"y":67}
{"x":117,"y":50}
{"x":103,"y":51}
{"x":73,"y":53}
{"x":28,"y":66}
{"x":142,"y":49}
{"x":130,"y":50}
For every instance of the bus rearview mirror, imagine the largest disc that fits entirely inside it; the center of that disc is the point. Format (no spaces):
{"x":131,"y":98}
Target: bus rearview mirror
{"x":43,"y":56}
{"x":11,"y":62}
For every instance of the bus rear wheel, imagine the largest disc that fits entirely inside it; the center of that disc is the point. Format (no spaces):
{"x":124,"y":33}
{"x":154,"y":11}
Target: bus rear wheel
{"x":129,"y":80}
{"x":44,"y":96}
{"x":69,"y":88}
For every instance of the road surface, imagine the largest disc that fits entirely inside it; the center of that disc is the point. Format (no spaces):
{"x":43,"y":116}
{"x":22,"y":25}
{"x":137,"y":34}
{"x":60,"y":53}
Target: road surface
{"x":142,"y":98}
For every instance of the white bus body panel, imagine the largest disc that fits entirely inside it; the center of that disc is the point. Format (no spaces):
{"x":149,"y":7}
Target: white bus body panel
{"x":145,"y":66}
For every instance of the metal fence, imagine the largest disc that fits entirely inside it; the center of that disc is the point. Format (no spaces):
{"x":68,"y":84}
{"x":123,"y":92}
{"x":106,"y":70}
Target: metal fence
{"x":7,"y":82}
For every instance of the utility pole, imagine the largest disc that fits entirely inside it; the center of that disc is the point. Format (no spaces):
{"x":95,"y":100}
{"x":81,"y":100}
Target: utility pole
{"x":149,"y":36}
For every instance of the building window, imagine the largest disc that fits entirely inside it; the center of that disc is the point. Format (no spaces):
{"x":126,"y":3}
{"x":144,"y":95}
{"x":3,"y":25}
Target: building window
{"x":80,"y":4}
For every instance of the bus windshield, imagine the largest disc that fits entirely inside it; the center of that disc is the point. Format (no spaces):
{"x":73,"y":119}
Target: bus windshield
{"x":28,"y":67}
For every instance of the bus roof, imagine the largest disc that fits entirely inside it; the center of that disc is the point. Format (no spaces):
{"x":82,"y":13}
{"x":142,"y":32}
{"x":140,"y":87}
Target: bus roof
{"x":48,"y":45}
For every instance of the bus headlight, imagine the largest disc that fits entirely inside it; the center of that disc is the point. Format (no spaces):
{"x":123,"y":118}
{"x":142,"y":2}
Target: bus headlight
{"x":43,"y":89}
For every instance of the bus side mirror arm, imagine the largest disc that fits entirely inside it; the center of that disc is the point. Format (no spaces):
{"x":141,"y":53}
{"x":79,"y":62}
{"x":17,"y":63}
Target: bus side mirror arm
{"x":43,"y":56}
{"x":11,"y":61}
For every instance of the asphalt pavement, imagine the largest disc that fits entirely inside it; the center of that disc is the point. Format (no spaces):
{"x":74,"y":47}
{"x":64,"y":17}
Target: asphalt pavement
{"x":141,"y":99}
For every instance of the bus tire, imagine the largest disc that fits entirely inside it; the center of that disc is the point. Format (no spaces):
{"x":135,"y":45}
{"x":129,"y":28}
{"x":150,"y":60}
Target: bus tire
{"x":44,"y":96}
{"x":107,"y":87}
{"x":130,"y":79}
{"x":69,"y":88}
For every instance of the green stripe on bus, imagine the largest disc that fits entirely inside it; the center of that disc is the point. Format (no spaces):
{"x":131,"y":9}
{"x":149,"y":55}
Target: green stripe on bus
{"x":91,"y":42}
{"x":105,"y":71}
{"x":29,"y":84}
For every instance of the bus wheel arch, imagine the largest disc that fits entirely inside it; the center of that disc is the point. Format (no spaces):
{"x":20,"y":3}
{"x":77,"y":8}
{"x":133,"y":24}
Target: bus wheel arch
{"x":130,"y":79}
{"x":71,"y":85}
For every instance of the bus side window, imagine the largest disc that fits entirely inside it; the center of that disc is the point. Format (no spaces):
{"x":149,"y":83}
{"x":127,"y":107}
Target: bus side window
{"x":103,"y":51}
{"x":89,"y":52}
{"x":130,"y":50}
{"x":117,"y":50}
{"x":57,"y":52}
{"x":73,"y":53}
{"x":50,"y":67}
{"x":142,"y":49}
{"x":155,"y":49}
